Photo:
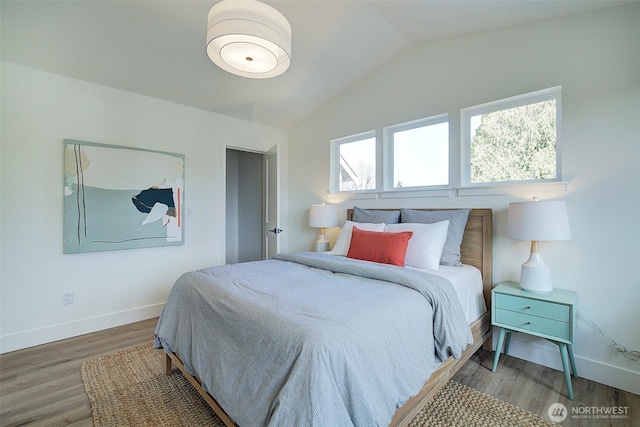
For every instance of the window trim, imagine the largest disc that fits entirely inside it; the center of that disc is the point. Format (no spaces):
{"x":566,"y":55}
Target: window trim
{"x":388,"y":153}
{"x":504,"y":104}
{"x":334,"y":162}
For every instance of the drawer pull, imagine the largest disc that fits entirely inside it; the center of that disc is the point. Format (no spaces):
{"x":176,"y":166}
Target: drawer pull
{"x":528,"y":323}
{"x":527,"y":308}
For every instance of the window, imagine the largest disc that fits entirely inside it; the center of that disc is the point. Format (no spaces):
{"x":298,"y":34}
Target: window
{"x":417,"y":153}
{"x":512,"y":140}
{"x":353,"y":162}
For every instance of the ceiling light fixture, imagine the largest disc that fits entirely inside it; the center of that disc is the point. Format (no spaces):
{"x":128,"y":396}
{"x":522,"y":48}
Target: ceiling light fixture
{"x":249,"y":39}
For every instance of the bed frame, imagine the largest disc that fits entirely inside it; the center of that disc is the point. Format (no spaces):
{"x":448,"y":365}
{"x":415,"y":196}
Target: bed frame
{"x":476,"y":250}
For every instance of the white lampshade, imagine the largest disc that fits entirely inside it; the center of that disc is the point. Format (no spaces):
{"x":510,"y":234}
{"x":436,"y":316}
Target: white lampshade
{"x":537,"y":221}
{"x":249,"y":39}
{"x":323,"y":216}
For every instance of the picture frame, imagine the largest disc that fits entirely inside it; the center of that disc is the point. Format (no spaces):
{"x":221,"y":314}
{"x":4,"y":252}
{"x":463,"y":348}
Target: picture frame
{"x":118,"y":197}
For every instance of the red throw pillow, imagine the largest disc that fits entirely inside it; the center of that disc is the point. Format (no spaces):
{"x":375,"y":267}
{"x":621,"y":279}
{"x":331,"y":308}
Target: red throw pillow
{"x":377,"y":246}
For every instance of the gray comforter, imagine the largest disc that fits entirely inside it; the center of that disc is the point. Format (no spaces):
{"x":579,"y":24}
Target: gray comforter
{"x":312,"y":339}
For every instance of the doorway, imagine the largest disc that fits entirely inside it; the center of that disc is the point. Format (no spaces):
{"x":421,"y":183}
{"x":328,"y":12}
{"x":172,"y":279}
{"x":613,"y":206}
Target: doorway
{"x":244,"y":237}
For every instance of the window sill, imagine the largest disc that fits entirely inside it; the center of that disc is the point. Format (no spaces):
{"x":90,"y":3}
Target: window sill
{"x":403,"y":194}
{"x":395,"y":194}
{"x":515,"y":189}
{"x":529,"y":190}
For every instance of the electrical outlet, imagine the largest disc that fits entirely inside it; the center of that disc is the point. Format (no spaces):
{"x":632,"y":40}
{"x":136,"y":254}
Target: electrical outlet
{"x":67,"y":297}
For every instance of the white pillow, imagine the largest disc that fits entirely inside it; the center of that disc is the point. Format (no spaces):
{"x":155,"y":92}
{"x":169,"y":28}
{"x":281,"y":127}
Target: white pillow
{"x":425,"y":246}
{"x":344,"y":239}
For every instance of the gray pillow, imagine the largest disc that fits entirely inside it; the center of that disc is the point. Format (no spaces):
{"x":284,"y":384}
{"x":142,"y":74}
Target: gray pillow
{"x":457,"y":222}
{"x":375,"y":216}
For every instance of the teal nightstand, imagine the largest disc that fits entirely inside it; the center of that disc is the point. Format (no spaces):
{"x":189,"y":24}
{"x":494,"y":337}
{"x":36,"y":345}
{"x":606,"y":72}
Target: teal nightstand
{"x":551,"y":316}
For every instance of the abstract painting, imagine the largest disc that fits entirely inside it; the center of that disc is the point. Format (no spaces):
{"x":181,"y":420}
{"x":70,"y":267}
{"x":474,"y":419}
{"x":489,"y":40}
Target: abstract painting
{"x":121,"y":197}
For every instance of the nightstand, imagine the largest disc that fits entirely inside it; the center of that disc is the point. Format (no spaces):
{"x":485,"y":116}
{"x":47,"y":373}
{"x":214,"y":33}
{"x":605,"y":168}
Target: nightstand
{"x":551,"y":316}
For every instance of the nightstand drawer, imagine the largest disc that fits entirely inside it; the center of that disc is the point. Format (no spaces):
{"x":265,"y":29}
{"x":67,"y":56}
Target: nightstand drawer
{"x":533,"y":307}
{"x":534,"y":324}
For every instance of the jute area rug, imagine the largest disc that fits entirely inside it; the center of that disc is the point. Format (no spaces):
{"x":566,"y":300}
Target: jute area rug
{"x":129,"y":388}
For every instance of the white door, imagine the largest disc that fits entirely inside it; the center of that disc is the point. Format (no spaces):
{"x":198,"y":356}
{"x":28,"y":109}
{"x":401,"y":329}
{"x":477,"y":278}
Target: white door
{"x":271,"y":208}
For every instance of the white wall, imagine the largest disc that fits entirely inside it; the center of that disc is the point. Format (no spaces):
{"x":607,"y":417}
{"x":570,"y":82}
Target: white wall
{"x":39,"y":110}
{"x":596,"y":59}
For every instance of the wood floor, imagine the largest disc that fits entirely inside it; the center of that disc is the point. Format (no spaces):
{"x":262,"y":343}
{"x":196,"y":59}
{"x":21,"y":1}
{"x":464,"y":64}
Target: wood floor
{"x":42,"y":386}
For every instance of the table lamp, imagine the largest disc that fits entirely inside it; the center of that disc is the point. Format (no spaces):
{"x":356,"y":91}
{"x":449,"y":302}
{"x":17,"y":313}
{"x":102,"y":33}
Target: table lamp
{"x":537,"y":221}
{"x":323,"y":216}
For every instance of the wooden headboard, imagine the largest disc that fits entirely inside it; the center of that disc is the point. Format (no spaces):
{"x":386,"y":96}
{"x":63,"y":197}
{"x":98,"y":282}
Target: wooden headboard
{"x":476,"y":248}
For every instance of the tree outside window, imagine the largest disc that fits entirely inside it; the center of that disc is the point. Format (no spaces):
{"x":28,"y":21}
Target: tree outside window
{"x":358,"y":165}
{"x":513,"y":140}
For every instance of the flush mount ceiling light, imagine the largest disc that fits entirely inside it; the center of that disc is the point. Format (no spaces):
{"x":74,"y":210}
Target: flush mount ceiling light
{"x":249,"y":39}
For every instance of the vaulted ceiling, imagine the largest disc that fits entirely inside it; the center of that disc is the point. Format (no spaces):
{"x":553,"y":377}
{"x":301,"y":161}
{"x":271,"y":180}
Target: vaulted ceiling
{"x":157,"y":48}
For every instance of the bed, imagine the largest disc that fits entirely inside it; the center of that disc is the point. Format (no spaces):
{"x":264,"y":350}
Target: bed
{"x":364,"y":394}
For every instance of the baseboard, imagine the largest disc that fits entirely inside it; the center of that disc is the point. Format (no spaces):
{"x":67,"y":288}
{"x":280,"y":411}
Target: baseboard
{"x":600,"y":372}
{"x":62,"y":331}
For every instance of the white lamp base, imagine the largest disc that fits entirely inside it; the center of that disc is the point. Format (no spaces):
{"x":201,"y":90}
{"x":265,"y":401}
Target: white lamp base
{"x":536,"y":275}
{"x":322,"y":245}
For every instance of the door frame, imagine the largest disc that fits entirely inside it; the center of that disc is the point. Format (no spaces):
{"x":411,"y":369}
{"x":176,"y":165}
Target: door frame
{"x":277,"y":222}
{"x":223,"y":191}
